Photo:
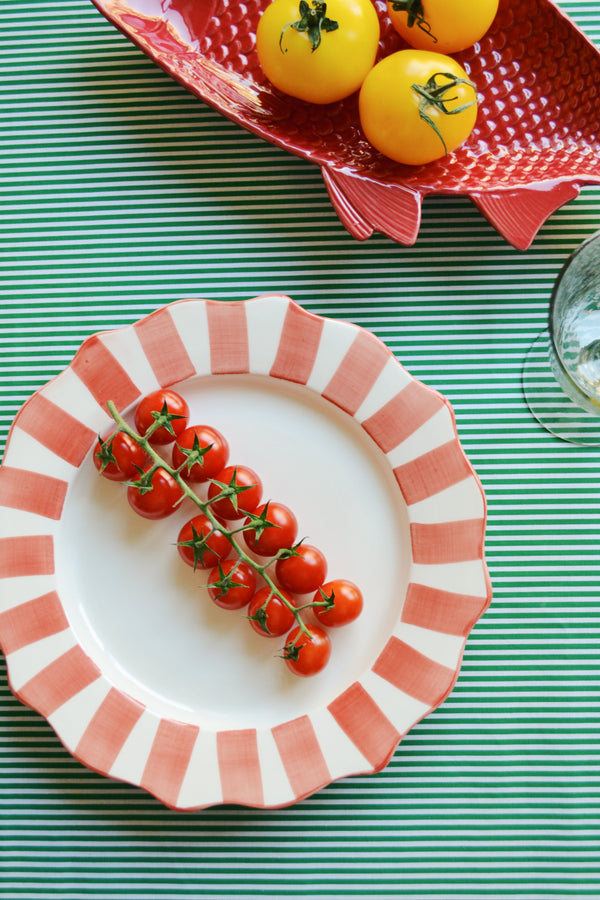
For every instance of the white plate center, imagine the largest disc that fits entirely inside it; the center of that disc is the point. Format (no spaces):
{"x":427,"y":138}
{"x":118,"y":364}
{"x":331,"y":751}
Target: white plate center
{"x":145,"y":617}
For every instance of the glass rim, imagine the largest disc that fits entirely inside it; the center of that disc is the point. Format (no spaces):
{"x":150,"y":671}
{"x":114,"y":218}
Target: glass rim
{"x":561,"y":373}
{"x":592,"y":238}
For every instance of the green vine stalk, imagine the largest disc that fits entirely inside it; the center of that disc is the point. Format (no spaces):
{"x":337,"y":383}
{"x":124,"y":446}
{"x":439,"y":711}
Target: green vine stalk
{"x":194,"y":457}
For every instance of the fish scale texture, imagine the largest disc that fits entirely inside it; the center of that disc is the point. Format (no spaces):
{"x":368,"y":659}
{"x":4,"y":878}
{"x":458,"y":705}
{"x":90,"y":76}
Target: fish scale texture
{"x":535,"y":143}
{"x":537,"y":79}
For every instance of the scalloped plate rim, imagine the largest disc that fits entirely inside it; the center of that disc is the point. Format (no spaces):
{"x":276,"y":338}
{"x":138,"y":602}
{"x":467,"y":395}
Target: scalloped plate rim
{"x":422,"y":390}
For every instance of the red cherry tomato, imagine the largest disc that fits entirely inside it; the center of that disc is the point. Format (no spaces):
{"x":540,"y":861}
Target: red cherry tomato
{"x":163,"y":403}
{"x":160,"y":501}
{"x":201,"y":437}
{"x":280,"y":534}
{"x":200,"y":545}
{"x":302,"y":572}
{"x":119,"y":457}
{"x":235,"y":506}
{"x":232,"y":584}
{"x":344,"y":603}
{"x":306,"y":655}
{"x":268,"y":614}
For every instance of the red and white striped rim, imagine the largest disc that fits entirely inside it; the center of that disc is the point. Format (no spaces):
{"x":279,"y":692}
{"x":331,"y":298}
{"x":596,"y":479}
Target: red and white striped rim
{"x":183,"y":765}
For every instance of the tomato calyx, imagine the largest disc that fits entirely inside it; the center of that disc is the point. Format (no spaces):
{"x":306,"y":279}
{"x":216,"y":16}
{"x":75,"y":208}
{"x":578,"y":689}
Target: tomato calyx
{"x":291,"y":651}
{"x":226,"y":580}
{"x":416,"y":14}
{"x":297,"y":640}
{"x":259,"y":523}
{"x":260,"y":617}
{"x":229,"y":491}
{"x":288,"y":552}
{"x":143,"y":484}
{"x":432,"y":94}
{"x":327,"y":602}
{"x":312,"y":21}
{"x":198,"y":544}
{"x":194,"y":455}
{"x":163,"y":419}
{"x":105,"y":454}
{"x":307,"y":655}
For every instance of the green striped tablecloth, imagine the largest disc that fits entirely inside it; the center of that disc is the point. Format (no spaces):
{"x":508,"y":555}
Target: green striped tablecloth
{"x":121,"y":192}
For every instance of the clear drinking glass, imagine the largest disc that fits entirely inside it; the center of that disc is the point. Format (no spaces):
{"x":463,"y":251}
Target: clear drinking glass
{"x":561,"y":375}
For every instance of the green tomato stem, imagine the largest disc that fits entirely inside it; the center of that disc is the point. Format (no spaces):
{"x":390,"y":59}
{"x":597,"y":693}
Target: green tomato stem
{"x":434,"y":95}
{"x":415,"y":15}
{"x":313,"y":22}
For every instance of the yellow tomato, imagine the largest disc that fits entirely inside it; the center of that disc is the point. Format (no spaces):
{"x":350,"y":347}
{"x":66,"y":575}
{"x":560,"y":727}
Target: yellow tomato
{"x":316,"y":51}
{"x":416,"y":106}
{"x":445,"y":26}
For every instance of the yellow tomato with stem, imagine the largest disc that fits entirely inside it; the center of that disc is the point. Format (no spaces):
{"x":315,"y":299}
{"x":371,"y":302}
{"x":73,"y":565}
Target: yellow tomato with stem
{"x":445,"y":26}
{"x":416,"y":106}
{"x":317,"y":51}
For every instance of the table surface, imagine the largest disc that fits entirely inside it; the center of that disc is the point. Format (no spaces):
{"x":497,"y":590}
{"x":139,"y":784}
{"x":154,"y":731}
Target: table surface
{"x":120,"y":193}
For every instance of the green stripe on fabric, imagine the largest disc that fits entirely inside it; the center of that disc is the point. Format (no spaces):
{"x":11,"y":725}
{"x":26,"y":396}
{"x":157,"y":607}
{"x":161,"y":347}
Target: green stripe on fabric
{"x":120,"y":192}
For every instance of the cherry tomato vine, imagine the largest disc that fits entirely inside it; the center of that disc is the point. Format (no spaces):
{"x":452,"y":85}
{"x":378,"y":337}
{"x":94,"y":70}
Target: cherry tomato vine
{"x":231,"y":516}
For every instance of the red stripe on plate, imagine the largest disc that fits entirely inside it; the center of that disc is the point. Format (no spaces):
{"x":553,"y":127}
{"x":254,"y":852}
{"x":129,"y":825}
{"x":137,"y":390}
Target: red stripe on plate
{"x":432,"y":472}
{"x":239,"y":767}
{"x":228,"y":337}
{"x":402,"y":415}
{"x":357,"y":372}
{"x":164,"y":348}
{"x":368,"y":728}
{"x":103,"y":375}
{"x":32,"y":492}
{"x":169,"y":760}
{"x":109,"y":728}
{"x":28,"y":555}
{"x":59,"y":681}
{"x":442,"y":611}
{"x":31,"y":621}
{"x":301,"y":755}
{"x":414,"y":673}
{"x":447,"y":542}
{"x":55,"y":429}
{"x":298,"y":345}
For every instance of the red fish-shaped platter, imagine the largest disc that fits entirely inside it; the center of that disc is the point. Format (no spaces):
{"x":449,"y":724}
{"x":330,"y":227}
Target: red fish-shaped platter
{"x":535,"y":144}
